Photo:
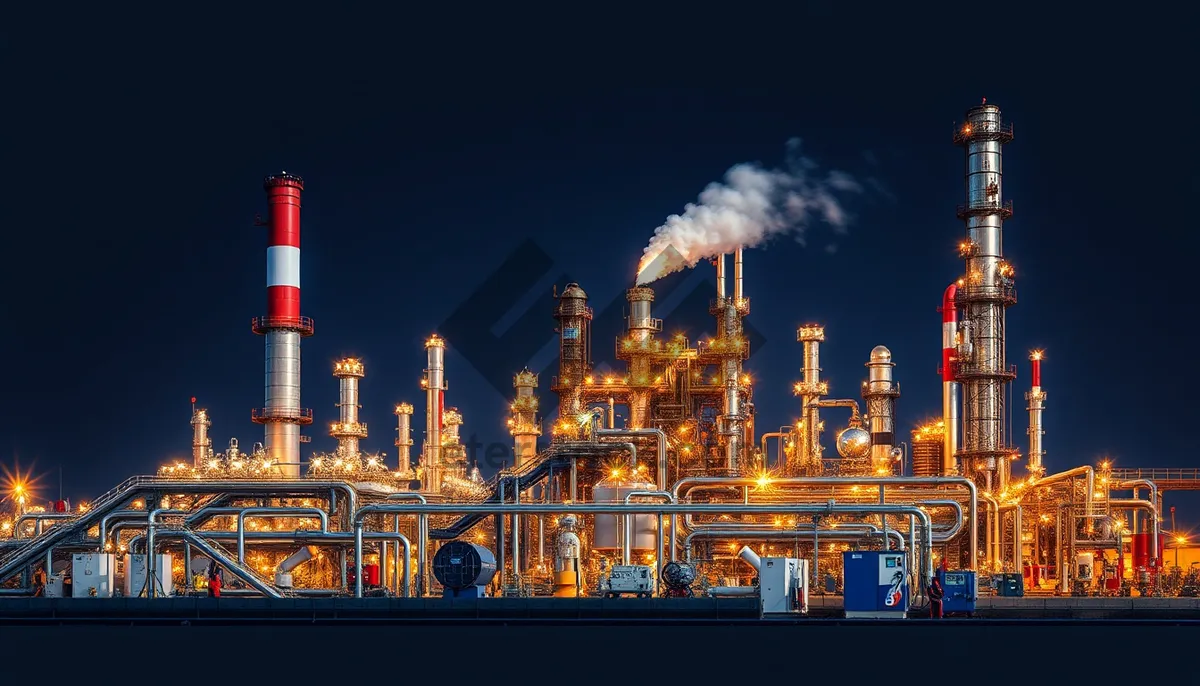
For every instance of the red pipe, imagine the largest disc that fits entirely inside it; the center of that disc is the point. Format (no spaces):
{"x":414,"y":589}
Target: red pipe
{"x":949,"y":332}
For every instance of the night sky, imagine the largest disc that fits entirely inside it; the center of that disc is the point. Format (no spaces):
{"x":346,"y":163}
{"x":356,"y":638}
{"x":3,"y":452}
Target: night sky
{"x":432,"y":150}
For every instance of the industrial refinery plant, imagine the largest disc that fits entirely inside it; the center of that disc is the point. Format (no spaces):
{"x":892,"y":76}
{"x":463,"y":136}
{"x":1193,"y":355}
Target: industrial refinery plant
{"x":656,"y":482}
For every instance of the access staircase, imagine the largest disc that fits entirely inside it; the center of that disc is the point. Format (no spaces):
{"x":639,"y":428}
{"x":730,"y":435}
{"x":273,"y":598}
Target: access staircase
{"x":518,"y":479}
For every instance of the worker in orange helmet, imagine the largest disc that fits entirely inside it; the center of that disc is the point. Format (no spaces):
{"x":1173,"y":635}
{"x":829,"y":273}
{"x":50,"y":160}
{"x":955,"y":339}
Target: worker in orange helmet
{"x":936,"y":593}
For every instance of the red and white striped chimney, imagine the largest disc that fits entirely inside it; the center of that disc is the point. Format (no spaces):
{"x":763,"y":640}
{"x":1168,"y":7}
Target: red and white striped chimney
{"x":283,"y":326}
{"x":950,"y":387}
{"x":1037,"y":398}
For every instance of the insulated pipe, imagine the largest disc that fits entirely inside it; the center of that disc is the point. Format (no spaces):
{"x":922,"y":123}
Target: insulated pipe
{"x":1149,"y":485}
{"x":951,"y":391}
{"x":274,"y":512}
{"x":103,"y":532}
{"x":750,"y":557}
{"x":829,"y":509}
{"x":281,"y":415}
{"x":683,"y":485}
{"x":662,"y":446}
{"x":296,"y":559}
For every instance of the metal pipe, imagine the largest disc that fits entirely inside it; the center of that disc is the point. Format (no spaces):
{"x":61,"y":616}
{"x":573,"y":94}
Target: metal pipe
{"x":1036,"y":398}
{"x":662,"y":447}
{"x":963,"y":482}
{"x":1085,"y":471}
{"x":750,"y":557}
{"x":274,"y":512}
{"x":774,"y":434}
{"x":119,"y":514}
{"x":37,"y":518}
{"x":435,"y":393}
{"x":720,"y":264}
{"x":1151,"y":507}
{"x":843,"y":532}
{"x":1142,"y":483}
{"x":951,"y":390}
{"x":151,"y":522}
{"x":991,"y":542}
{"x":830,"y":508}
{"x":422,"y":542}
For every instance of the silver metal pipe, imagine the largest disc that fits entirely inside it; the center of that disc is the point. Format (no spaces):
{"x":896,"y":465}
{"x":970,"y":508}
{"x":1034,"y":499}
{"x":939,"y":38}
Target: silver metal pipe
{"x":973,"y":490}
{"x":435,"y":388}
{"x":1150,"y":506}
{"x":720,"y":263}
{"x":274,"y":512}
{"x":119,"y":514}
{"x":830,"y":508}
{"x":1142,"y":483}
{"x":192,"y":537}
{"x":843,"y":532}
{"x":151,"y":523}
{"x":940,"y":534}
{"x":659,"y":434}
{"x":1085,"y":471}
{"x":37,"y":518}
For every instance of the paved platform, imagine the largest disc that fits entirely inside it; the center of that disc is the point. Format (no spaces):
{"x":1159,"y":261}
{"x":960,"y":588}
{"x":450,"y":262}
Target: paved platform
{"x":174,"y":611}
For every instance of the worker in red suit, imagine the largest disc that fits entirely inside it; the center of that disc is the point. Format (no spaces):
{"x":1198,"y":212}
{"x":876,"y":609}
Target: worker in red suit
{"x":214,"y":581}
{"x":936,"y":593}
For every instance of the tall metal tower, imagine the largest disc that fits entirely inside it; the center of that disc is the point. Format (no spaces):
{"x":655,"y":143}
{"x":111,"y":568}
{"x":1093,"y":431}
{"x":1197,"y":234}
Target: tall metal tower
{"x":987,"y":290}
{"x":283,"y":326}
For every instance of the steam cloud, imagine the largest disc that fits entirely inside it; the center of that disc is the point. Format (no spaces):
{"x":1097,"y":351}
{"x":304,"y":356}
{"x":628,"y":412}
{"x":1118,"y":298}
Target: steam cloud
{"x":750,"y":207}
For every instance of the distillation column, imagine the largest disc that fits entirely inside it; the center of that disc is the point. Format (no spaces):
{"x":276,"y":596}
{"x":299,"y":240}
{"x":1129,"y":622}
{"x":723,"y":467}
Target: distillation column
{"x":1036,"y":397}
{"x":987,"y":290}
{"x":574,"y":332}
{"x":879,"y":393}
{"x":642,"y":328}
{"x":811,"y":390}
{"x":281,"y":414}
{"x":348,"y":430}
{"x":454,"y":453}
{"x":435,"y":399}
{"x":524,"y":425}
{"x":201,"y":443}
{"x":404,"y":441}
{"x":730,"y":346}
{"x":951,"y":392}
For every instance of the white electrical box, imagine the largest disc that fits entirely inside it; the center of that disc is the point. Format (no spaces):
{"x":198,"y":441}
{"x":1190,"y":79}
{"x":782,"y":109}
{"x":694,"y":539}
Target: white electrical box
{"x":92,"y":575}
{"x":135,"y":576}
{"x":633,"y":579}
{"x":783,"y":585}
{"x":54,"y":586}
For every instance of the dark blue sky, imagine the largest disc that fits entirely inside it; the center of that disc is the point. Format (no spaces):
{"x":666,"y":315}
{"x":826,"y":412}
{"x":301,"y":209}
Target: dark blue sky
{"x":430,"y":151}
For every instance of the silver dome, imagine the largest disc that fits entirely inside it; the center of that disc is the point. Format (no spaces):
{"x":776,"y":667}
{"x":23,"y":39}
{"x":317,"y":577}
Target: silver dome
{"x":854,"y":443}
{"x":880,"y":353}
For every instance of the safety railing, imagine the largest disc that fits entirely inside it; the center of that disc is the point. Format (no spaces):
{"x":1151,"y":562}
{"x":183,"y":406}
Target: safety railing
{"x":301,"y":325}
{"x":977,"y":208}
{"x":1157,"y":474}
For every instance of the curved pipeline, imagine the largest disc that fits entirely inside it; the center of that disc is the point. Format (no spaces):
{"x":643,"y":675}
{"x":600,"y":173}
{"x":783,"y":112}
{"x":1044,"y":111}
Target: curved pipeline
{"x":972,"y":489}
{"x":853,"y":532}
{"x":1085,"y":471}
{"x":662,"y":446}
{"x":274,"y":512}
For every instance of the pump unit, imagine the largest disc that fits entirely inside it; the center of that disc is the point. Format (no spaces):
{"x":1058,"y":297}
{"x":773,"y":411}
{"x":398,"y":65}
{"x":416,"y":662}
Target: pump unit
{"x":783,"y":585}
{"x":92,"y":575}
{"x":876,"y":584}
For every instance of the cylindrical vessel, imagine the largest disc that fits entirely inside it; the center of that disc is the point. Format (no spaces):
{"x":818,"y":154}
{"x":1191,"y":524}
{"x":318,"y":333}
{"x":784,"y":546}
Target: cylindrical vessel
{"x":880,"y":396}
{"x":951,"y":395}
{"x":459,"y":564}
{"x":987,"y":290}
{"x":348,"y":430}
{"x":737,"y":274}
{"x":435,"y":390}
{"x":751,"y":558}
{"x":283,"y":326}
{"x":404,"y":440}
{"x":608,"y":528}
{"x":574,"y":333}
{"x":1142,"y":550}
{"x":1036,"y":398}
{"x":927,"y":447}
{"x":201,"y":443}
{"x":810,"y":390}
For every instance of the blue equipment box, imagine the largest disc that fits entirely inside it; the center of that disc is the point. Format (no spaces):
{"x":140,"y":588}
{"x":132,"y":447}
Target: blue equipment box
{"x":1009,"y":585}
{"x":875,"y":584}
{"x":961,"y":591}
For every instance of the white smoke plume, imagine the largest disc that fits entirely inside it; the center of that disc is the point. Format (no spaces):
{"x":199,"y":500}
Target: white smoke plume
{"x":750,"y":207}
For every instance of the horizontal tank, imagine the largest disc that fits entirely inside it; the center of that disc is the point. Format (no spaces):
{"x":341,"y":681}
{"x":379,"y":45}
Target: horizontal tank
{"x":459,"y":565}
{"x":608,"y":527}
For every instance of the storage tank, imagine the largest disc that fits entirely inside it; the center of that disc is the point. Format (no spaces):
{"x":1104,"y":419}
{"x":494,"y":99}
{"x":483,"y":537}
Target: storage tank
{"x":608,"y":527}
{"x":1141,"y":550}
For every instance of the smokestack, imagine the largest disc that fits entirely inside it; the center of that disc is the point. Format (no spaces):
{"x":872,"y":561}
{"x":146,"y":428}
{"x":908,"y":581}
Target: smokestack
{"x":574,"y":319}
{"x":404,"y":440}
{"x":1036,"y":396}
{"x":737,"y":274}
{"x":281,"y":415}
{"x":950,"y":389}
{"x":880,"y":395}
{"x":348,"y":430}
{"x":720,"y":263}
{"x":435,"y":404}
{"x":201,"y":443}
{"x":811,"y":390}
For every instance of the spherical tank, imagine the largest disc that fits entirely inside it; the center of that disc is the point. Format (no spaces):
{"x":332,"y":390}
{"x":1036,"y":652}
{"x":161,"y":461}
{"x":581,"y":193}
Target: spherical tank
{"x":458,"y":565}
{"x":608,"y":527}
{"x":854,"y":443}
